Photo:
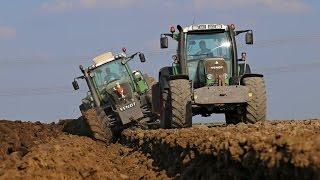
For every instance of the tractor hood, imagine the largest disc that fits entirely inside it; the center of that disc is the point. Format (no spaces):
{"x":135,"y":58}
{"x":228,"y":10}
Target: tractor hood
{"x":211,"y":71}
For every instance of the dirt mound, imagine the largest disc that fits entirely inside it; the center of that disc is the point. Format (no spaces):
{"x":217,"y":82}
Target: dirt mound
{"x":74,"y":157}
{"x":271,"y":150}
{"x":16,"y":137}
{"x":35,"y":150}
{"x":75,"y":127}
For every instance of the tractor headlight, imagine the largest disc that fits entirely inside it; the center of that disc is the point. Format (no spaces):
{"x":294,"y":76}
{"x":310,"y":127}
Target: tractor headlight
{"x":209,"y":76}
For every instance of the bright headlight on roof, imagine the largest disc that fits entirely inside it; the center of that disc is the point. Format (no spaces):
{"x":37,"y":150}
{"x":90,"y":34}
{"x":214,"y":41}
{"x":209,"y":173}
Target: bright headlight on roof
{"x":226,"y":44}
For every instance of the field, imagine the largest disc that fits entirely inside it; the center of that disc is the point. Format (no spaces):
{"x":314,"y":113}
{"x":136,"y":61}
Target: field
{"x":269,"y":150}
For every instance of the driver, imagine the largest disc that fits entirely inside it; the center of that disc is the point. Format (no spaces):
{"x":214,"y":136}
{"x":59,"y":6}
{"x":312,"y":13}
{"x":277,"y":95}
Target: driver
{"x":203,"y":48}
{"x":110,"y":75}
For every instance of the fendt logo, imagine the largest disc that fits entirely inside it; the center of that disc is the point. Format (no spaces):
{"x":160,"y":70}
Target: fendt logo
{"x":217,"y":67}
{"x":126,"y":107}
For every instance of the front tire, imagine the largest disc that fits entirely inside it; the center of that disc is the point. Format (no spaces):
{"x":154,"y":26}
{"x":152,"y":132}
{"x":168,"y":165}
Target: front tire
{"x":180,"y":102}
{"x":256,"y":108}
{"x":97,"y":121}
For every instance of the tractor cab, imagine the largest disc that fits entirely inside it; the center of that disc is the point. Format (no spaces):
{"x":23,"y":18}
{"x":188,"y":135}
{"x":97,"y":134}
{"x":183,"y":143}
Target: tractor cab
{"x":112,"y":79}
{"x":207,"y":53}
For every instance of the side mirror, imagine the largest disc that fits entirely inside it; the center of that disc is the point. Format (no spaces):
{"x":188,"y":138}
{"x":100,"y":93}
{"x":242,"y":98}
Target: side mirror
{"x":164,"y":42}
{"x":75,"y":85}
{"x":142,"y":57}
{"x":249,"y":37}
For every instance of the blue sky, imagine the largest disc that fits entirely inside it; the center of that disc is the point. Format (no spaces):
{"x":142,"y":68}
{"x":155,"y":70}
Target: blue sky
{"x":42,"y":42}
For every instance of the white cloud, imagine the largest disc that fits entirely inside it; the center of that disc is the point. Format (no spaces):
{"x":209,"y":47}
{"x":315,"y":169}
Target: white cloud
{"x":69,"y":5}
{"x":293,"y":6}
{"x":7,"y":32}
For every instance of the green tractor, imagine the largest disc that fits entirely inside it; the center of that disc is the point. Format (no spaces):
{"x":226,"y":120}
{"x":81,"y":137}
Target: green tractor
{"x":118,"y":98}
{"x":207,"y":77}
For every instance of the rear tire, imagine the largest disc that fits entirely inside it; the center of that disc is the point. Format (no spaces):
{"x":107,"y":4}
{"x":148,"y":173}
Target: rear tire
{"x":98,"y":122}
{"x":180,"y":103}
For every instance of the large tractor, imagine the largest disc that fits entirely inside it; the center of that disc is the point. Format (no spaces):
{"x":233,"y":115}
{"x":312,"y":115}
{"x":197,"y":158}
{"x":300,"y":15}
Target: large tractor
{"x":207,"y":77}
{"x":118,"y":98}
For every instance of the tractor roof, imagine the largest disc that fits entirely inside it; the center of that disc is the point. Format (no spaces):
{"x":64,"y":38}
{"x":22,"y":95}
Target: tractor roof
{"x":203,"y":27}
{"x":105,"y":58}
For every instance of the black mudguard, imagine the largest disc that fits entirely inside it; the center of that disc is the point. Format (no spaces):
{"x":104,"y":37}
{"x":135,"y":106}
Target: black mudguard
{"x":164,"y":75}
{"x":244,"y":67}
{"x":156,"y":96}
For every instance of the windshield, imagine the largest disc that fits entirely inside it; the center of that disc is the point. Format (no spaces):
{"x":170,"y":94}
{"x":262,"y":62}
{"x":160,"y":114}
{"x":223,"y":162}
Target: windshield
{"x":106,"y":76}
{"x":202,"y":46}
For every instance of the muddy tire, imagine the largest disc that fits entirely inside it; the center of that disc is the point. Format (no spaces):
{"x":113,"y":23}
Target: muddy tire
{"x":180,"y":107}
{"x":256,"y":109}
{"x":97,"y":121}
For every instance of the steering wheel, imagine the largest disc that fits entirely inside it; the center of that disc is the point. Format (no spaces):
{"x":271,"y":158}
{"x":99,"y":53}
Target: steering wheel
{"x":104,"y":87}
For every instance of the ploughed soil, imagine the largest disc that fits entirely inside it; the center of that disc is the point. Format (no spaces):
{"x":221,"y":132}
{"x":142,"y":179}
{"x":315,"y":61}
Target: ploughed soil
{"x":16,"y":137}
{"x":38,"y":151}
{"x":269,"y":150}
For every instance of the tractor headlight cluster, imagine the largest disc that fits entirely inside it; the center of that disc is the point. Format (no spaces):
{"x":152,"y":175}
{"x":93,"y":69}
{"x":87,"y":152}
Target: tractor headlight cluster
{"x":118,"y":56}
{"x":209,"y":76}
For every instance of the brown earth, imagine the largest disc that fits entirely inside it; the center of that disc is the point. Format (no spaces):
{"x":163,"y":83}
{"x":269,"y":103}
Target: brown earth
{"x":56,"y":155}
{"x":72,"y":157}
{"x":17,"y":137}
{"x":271,"y":150}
